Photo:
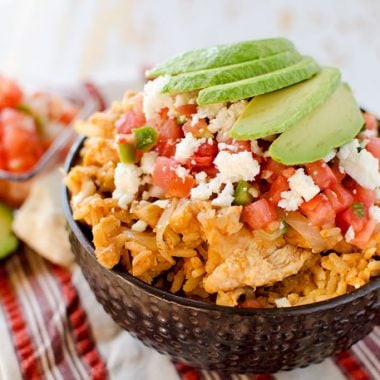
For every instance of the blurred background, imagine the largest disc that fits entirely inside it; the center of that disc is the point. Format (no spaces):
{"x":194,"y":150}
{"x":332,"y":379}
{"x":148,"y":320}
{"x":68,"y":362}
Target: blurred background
{"x":111,"y":41}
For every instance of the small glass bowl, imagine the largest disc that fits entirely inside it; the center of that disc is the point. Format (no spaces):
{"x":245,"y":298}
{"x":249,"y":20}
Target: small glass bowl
{"x":14,"y":187}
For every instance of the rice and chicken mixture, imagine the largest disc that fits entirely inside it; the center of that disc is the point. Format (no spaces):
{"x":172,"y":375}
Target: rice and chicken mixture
{"x":175,"y":219}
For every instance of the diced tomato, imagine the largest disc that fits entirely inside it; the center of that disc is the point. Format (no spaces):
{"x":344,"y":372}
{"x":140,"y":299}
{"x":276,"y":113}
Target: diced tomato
{"x":259,"y":214}
{"x":363,"y":237}
{"x":339,"y":197}
{"x":10,"y":93}
{"x":373,"y":146}
{"x":319,"y":211}
{"x":239,"y":146}
{"x":197,"y":130}
{"x":370,"y":121}
{"x":366,"y":196}
{"x":279,"y":185}
{"x":348,"y":218}
{"x":3,"y":164}
{"x":169,"y":132}
{"x":129,"y":121}
{"x":21,"y":146}
{"x":203,"y":158}
{"x":339,"y":175}
{"x":211,"y":171}
{"x":321,"y":173}
{"x":164,"y":175}
{"x":187,"y":109}
{"x":271,"y":169}
{"x":197,"y":163}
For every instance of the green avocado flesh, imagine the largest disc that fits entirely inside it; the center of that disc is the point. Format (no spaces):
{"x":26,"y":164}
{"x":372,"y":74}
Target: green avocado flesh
{"x":211,"y":77}
{"x":277,"y":111}
{"x":220,"y":55}
{"x":332,"y":124}
{"x":8,"y":242}
{"x":259,"y":85}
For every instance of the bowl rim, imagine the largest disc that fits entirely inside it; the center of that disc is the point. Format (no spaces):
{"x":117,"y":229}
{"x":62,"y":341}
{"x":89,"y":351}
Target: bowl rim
{"x":371,"y":286}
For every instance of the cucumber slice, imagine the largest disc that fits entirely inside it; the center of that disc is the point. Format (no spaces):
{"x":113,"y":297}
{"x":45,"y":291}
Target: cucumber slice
{"x":259,"y":85}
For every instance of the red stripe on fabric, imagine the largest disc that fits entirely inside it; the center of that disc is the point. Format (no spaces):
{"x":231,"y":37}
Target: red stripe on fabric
{"x":56,"y":340}
{"x":94,"y":91}
{"x":351,"y":366}
{"x":22,"y":338}
{"x":263,"y":376}
{"x":81,"y":329}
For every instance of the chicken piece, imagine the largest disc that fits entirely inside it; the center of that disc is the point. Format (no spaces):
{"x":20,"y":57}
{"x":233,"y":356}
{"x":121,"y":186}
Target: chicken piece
{"x":223,"y":233}
{"x":256,"y":267}
{"x":183,"y":221}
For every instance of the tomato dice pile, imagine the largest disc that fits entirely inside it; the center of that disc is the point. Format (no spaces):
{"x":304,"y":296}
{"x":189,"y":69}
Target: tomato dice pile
{"x":26,"y":125}
{"x":340,"y":202}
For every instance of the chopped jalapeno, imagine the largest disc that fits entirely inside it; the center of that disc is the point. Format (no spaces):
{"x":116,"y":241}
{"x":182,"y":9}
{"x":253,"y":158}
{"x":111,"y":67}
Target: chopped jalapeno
{"x":181,"y":119}
{"x":242,"y":195}
{"x":127,"y":153}
{"x":146,"y":138}
{"x":358,"y":209}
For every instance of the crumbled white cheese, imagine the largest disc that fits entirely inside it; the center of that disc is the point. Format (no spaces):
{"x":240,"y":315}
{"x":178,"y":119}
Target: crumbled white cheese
{"x":200,"y":177}
{"x":153,"y":99}
{"x":148,"y":160}
{"x":360,"y":164}
{"x":229,"y":147}
{"x":282,"y":302}
{"x":185,"y":98}
{"x":290,"y":200}
{"x":349,"y":235}
{"x":182,"y":172}
{"x":226,"y":197}
{"x":209,"y":112}
{"x":187,"y":147}
{"x":202,"y":192}
{"x":303,"y":185}
{"x":367,"y":133}
{"x":127,"y":181}
{"x":139,"y":226}
{"x":235,"y":167}
{"x":226,"y":117}
{"x":374,"y":213}
{"x":329,"y":156}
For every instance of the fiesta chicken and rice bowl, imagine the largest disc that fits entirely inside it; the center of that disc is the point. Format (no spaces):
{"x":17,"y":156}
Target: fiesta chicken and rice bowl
{"x":242,"y":175}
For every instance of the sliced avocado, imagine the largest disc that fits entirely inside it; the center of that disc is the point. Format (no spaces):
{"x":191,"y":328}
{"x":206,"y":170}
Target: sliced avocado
{"x":8,"y":242}
{"x":277,"y":111}
{"x":247,"y":88}
{"x":206,"y":78}
{"x":332,"y":124}
{"x":220,"y":55}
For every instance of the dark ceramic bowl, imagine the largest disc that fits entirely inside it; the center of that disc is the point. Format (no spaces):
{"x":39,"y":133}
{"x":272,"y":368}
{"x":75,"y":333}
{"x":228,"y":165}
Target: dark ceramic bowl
{"x":222,"y":338}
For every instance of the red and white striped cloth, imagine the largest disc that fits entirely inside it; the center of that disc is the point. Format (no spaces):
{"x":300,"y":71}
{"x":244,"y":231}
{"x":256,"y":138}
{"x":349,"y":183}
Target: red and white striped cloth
{"x":51,"y":327}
